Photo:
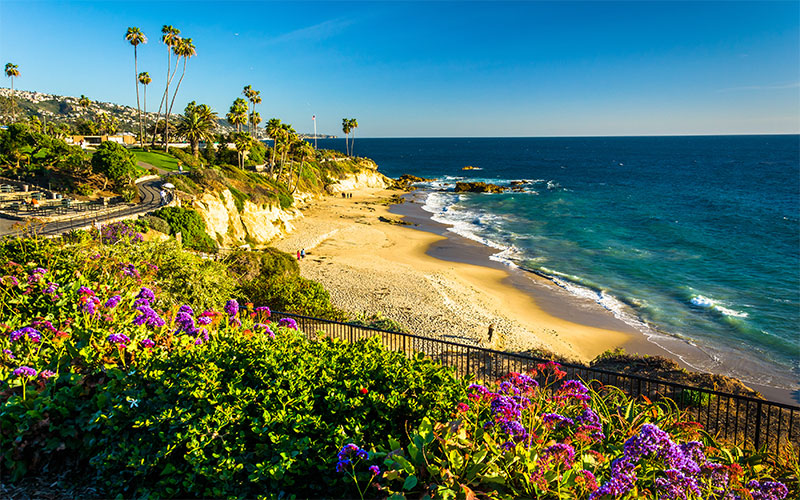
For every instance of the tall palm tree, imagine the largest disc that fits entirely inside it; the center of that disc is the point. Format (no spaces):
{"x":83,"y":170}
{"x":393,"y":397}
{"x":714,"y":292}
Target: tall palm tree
{"x":346,"y":130}
{"x":254,"y":96}
{"x":255,"y":118}
{"x":12,"y":71}
{"x":197,"y":125}
{"x":243,"y":143}
{"x":303,"y":149}
{"x":84,"y":102}
{"x":135,"y":36}
{"x":184,"y":49}
{"x":170,"y":37}
{"x":273,"y":125}
{"x":144,"y":79}
{"x":353,"y":127}
{"x":237,"y":114}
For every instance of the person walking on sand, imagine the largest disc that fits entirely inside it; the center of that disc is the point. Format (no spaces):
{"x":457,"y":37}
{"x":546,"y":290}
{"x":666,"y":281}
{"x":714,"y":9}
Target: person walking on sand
{"x":491,"y":332}
{"x":298,"y":255}
{"x":303,"y":253}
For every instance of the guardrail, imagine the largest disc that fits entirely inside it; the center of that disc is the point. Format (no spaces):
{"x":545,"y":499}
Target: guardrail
{"x":735,"y":419}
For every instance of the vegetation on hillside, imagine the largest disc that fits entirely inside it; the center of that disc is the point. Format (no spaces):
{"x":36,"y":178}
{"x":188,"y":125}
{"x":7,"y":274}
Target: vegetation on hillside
{"x":127,"y":361}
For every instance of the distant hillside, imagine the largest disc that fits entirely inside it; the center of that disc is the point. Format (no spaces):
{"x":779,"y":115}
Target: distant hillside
{"x":66,"y":109}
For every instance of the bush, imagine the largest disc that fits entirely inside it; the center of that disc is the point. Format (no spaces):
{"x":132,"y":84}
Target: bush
{"x":293,"y":294}
{"x":267,"y":263}
{"x":191,"y":226}
{"x":157,"y":223}
{"x":115,"y":162}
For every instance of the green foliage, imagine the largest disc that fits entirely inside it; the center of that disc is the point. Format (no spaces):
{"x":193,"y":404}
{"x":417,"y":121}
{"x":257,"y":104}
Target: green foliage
{"x":293,"y":294}
{"x":238,"y":198}
{"x":186,"y":158}
{"x":285,"y":200}
{"x":191,"y":226}
{"x":158,"y":159}
{"x":157,"y":224}
{"x":267,"y":263}
{"x":115,"y":162}
{"x":378,"y":321}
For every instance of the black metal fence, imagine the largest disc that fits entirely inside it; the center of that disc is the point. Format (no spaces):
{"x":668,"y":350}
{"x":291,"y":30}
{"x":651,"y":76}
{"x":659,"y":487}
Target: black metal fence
{"x":734,"y":419}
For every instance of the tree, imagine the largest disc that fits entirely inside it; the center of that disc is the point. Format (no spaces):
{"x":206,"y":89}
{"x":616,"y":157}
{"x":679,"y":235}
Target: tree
{"x":170,"y":37}
{"x":197,"y":125}
{"x":237,"y":114}
{"x":346,"y":130}
{"x":183,"y":49}
{"x":12,"y":71}
{"x":242,"y":142}
{"x":303,"y":149}
{"x":254,"y":96}
{"x":144,"y":79}
{"x":115,"y":162}
{"x":353,"y":127}
{"x":256,"y":119}
{"x":273,"y":125}
{"x":84,"y":102}
{"x":135,"y":36}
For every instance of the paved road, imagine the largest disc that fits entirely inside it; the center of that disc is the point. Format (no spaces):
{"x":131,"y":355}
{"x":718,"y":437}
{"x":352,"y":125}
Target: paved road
{"x":149,"y":201}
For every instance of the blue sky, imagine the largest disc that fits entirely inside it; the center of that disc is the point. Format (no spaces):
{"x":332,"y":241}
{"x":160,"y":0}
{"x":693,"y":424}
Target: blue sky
{"x":407,"y":69}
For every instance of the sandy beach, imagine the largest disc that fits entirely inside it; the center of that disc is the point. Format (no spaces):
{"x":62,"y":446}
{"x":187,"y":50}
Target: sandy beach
{"x":373,"y":266}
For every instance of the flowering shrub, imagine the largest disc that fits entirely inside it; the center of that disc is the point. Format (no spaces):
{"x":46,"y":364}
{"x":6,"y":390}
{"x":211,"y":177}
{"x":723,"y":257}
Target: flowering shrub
{"x":565,"y":440}
{"x":120,"y":231}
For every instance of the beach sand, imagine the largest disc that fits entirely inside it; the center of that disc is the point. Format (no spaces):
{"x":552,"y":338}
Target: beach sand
{"x":373,"y":266}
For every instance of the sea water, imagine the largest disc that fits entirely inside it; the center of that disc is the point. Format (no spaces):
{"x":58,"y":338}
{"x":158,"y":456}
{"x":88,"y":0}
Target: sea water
{"x":690,"y":237}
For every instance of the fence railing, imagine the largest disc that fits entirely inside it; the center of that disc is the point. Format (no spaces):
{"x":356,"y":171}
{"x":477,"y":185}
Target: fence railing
{"x":735,"y":419}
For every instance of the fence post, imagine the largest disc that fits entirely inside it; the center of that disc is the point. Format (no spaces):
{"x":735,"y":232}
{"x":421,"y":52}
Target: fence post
{"x":757,"y":442}
{"x":468,"y":367}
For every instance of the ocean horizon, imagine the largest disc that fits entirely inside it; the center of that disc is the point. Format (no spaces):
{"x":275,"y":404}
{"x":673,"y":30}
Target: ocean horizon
{"x":691,"y":237}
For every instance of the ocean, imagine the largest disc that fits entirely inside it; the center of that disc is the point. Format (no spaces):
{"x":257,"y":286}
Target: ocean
{"x":696,"y":238}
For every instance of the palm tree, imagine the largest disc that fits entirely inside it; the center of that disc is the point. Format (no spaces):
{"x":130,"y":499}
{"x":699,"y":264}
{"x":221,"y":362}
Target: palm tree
{"x":255,"y":118}
{"x":185,"y":49}
{"x":197,"y":125}
{"x":237,"y":114}
{"x":303,"y":149}
{"x":169,"y":36}
{"x":12,"y":71}
{"x":243,"y":143}
{"x":254,"y":96}
{"x":346,"y":130}
{"x":135,"y":36}
{"x":353,"y":127}
{"x":84,"y":102}
{"x":273,"y":125}
{"x":144,"y":79}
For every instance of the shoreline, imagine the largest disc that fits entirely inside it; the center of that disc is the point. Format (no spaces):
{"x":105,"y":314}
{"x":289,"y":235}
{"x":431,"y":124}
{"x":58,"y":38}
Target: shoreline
{"x":437,"y":283}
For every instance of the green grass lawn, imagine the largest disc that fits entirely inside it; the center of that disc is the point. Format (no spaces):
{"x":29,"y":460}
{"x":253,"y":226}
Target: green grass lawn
{"x":157,"y":159}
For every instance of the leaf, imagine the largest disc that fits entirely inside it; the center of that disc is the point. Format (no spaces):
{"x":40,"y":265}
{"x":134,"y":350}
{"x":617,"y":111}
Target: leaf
{"x":410,"y":482}
{"x":404,"y":463}
{"x":470,"y":495}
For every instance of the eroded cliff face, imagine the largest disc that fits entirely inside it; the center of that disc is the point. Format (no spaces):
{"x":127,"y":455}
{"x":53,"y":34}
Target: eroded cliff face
{"x":257,"y":224}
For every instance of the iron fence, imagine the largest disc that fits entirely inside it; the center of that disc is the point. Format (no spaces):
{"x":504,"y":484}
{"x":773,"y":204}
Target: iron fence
{"x":736,"y":420}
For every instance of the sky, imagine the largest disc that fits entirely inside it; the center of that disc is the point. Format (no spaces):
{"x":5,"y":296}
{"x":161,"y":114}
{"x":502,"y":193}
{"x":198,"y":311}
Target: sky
{"x":436,"y":69}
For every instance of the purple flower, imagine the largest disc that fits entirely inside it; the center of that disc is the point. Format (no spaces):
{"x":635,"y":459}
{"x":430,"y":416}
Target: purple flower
{"x":573,"y":389}
{"x":141,"y":302}
{"x":288,"y":323}
{"x":148,"y":317}
{"x":676,"y":485}
{"x":346,"y":453}
{"x":563,"y":453}
{"x":204,"y":320}
{"x":11,"y":280}
{"x":36,"y":275}
{"x":185,"y":323}
{"x":85,"y":290}
{"x":232,"y":307}
{"x":25,"y":371}
{"x":146,"y":293}
{"x":375,"y":470}
{"x":27,"y":331}
{"x":90,"y":304}
{"x":555,"y":419}
{"x":130,"y":270}
{"x":186,"y":309}
{"x":46,"y":374}
{"x":51,"y":288}
{"x":112,"y":302}
{"x":8,"y":353}
{"x":263,"y":309}
{"x":119,"y":339}
{"x":266,"y":328}
{"x":767,"y":490}
{"x":147,"y":343}
{"x":650,"y":439}
{"x":623,"y":477}
{"x":341,"y":465}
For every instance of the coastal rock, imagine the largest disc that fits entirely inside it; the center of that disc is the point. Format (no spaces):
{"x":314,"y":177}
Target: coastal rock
{"x":398,"y":222}
{"x":359,"y":180}
{"x":406,"y":180}
{"x":478,"y":187}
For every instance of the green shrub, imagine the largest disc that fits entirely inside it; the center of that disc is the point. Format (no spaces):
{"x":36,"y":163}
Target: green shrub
{"x":293,"y":294}
{"x":157,"y":223}
{"x":285,"y":200}
{"x":115,"y":162}
{"x":267,"y":263}
{"x":191,"y":226}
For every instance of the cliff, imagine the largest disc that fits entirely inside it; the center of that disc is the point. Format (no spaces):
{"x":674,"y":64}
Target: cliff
{"x":256,"y":224}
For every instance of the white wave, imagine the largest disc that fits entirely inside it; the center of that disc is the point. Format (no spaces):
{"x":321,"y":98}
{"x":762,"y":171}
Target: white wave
{"x":707,"y":303}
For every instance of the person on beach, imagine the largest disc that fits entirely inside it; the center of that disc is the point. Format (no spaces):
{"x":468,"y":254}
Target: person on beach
{"x":303,"y":253}
{"x":298,"y":255}
{"x":491,"y":332}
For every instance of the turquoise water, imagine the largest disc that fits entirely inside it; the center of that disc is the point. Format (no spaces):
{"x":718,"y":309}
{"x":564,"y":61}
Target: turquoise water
{"x":690,"y":237}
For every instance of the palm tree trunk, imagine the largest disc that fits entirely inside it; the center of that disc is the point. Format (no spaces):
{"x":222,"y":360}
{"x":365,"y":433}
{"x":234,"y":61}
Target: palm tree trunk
{"x":136,"y":80}
{"x":144,"y":138}
{"x":166,"y":91}
{"x":178,"y":86}
{"x":196,"y":148}
{"x":166,"y":122}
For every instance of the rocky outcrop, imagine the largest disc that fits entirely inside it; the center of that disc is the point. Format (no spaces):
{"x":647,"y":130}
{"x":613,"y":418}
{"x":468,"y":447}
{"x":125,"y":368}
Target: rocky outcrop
{"x":406,"y":180}
{"x":478,"y":187}
{"x":363,"y":179}
{"x":260,"y":224}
